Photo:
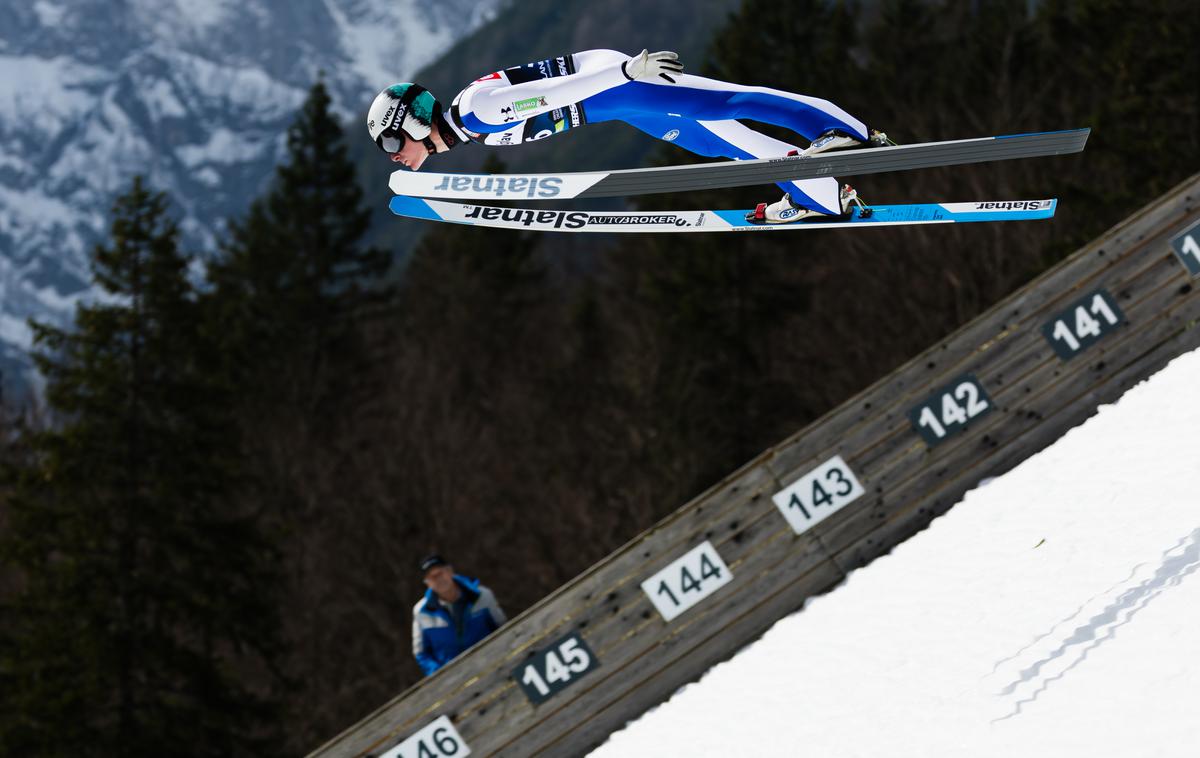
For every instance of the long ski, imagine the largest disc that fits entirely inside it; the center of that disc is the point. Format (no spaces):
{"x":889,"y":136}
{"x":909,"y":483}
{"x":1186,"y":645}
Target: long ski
{"x":712,"y":220}
{"x":645,"y":181}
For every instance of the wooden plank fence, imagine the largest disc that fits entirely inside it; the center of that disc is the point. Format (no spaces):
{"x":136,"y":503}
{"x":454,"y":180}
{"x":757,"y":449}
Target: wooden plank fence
{"x":559,"y":678}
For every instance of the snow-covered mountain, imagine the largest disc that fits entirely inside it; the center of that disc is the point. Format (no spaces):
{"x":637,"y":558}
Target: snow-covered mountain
{"x":195,"y":94}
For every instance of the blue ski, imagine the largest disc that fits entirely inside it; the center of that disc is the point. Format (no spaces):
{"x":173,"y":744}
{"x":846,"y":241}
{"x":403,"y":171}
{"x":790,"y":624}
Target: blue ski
{"x":713,"y":220}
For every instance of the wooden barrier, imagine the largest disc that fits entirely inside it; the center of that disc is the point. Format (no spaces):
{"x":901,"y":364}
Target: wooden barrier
{"x":715,"y":574}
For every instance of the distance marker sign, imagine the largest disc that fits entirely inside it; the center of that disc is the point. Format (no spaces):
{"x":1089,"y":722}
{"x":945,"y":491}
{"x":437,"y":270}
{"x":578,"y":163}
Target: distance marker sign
{"x":551,"y":670}
{"x":818,"y":494}
{"x":948,"y":411}
{"x":1187,"y":248}
{"x":1084,"y":323}
{"x":437,"y":740}
{"x":687,"y":581}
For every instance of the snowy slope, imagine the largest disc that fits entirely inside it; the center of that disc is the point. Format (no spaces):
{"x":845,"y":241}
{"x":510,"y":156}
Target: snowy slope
{"x":1054,"y":612}
{"x":195,"y":94}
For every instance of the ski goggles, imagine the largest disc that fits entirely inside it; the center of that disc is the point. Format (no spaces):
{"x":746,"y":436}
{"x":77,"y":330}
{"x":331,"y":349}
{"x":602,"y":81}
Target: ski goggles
{"x":391,"y":140}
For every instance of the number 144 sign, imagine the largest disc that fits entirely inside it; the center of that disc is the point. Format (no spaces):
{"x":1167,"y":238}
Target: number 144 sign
{"x":687,"y":581}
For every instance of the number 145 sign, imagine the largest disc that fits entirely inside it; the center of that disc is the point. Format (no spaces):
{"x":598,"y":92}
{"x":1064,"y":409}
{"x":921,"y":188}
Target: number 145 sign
{"x":552,"y":669}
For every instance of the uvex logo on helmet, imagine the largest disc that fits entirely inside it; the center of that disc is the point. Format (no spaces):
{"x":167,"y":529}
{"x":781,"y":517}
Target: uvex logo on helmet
{"x":387,"y":111}
{"x":387,"y":117}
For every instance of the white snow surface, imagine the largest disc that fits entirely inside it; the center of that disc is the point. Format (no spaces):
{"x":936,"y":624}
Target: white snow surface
{"x":1055,"y":611}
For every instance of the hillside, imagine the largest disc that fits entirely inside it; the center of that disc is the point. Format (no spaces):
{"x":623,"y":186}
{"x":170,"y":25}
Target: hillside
{"x":1052,"y":612}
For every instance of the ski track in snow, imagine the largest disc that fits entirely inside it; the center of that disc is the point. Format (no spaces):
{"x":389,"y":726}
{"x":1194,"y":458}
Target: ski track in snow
{"x":1103,"y":626}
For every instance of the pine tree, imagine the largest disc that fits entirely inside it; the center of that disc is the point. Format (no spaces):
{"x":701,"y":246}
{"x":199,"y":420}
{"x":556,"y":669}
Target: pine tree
{"x":1133,"y":79}
{"x":286,"y":287}
{"x":146,"y":600}
{"x":296,"y":262}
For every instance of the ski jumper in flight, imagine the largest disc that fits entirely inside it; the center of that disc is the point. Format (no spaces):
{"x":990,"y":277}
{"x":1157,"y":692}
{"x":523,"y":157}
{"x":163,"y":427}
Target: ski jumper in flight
{"x":648,"y":91}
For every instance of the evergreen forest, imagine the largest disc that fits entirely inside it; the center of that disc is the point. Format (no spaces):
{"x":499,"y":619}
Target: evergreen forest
{"x":210,"y":524}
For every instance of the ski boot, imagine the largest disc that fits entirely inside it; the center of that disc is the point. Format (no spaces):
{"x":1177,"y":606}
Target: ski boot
{"x":785,"y":211}
{"x":835,"y":139}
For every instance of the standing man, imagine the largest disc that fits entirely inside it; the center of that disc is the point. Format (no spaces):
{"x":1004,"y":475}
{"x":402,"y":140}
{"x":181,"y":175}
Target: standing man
{"x":455,"y":613}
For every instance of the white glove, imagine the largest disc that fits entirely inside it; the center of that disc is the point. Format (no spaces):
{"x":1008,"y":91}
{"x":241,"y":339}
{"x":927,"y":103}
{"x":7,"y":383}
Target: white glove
{"x":647,"y":65}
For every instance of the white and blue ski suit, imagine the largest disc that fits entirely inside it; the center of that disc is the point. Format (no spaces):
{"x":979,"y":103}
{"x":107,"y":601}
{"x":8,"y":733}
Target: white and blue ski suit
{"x":439,"y":635}
{"x":543,"y":98}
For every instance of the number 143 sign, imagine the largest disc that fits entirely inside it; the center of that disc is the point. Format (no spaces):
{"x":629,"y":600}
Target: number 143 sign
{"x":818,"y":494}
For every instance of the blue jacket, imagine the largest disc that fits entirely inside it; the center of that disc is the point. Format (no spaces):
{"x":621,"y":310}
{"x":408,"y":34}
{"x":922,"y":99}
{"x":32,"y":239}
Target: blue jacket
{"x":436,"y":641}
